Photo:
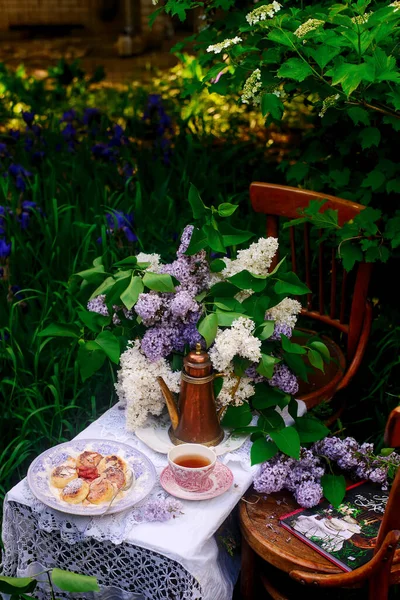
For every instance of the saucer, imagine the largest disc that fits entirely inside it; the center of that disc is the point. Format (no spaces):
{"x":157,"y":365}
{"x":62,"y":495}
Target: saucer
{"x":221,"y":480}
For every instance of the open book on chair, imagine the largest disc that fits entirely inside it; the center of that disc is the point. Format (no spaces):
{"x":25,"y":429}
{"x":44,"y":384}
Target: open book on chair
{"x":345,"y":535}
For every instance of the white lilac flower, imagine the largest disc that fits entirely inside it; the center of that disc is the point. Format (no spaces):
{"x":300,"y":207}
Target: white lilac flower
{"x":251,"y":88}
{"x":284,"y":313}
{"x":137,"y":385}
{"x":235,"y":340}
{"x":361,"y":19}
{"x":328,"y":103}
{"x":218,"y":48}
{"x":395,"y":4}
{"x":308,"y":26}
{"x":256,"y":259}
{"x":153,"y":259}
{"x":263,"y":12}
{"x":234,"y":390}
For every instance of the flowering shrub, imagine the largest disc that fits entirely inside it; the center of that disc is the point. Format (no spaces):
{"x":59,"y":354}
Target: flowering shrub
{"x":340,"y":62}
{"x":230,"y":302}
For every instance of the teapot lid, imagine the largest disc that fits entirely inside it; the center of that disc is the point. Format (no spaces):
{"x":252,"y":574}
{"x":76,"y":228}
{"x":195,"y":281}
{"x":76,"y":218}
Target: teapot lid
{"x":197,"y":359}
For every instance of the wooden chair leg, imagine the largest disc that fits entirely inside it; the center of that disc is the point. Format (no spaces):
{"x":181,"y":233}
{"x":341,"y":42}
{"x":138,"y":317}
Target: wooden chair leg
{"x":247,"y":576}
{"x":272,"y":590}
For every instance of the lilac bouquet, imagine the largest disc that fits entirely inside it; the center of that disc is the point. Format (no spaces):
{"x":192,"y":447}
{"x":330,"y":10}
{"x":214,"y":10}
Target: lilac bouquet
{"x":227,"y":299}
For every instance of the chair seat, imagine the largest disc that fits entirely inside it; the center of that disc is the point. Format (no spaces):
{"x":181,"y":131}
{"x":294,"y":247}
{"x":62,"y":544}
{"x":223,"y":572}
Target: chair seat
{"x":259,"y":523}
{"x":321,"y":386}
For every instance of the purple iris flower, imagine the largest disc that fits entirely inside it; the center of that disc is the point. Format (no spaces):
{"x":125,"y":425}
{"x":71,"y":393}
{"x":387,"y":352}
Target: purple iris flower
{"x":89,"y":115}
{"x":102,"y":150}
{"x":119,"y":221}
{"x":14,"y":133}
{"x":5,"y":249}
{"x":69,"y":131}
{"x":19,"y":173}
{"x":27,"y":207}
{"x":24,"y":219}
{"x":68,"y":116}
{"x":28,"y":117}
{"x":3,"y":149}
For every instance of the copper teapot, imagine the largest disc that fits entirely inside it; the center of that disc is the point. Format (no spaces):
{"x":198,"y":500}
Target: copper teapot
{"x":195,"y":419}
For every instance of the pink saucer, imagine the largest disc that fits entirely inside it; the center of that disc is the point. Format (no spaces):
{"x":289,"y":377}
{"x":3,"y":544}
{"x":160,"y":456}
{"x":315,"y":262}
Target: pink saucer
{"x":221,"y":480}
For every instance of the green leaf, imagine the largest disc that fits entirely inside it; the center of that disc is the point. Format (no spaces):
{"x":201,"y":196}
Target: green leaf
{"x":266,"y":365}
{"x":113,"y":296}
{"x":226,"y":209}
{"x":73,"y":582}
{"x":217,"y":265}
{"x":131,"y":294}
{"x":198,"y":208}
{"x":223,"y":289}
{"x":218,"y":382}
{"x":350,"y":76}
{"x":270,"y":420}
{"x":237,"y":416}
{"x":315,"y":359}
{"x":310,"y":429}
{"x":225,"y":318}
{"x":358,"y":115}
{"x":370,"y":136}
{"x":286,"y":38}
{"x":322,"y":349}
{"x":394,"y":97}
{"x":16,"y":585}
{"x":271,"y":104}
{"x":214,"y":239}
{"x":374,"y":179}
{"x":103,"y":288}
{"x":262,"y":450}
{"x":94,"y":321}
{"x":232,"y":236}
{"x":208,"y":327}
{"x":296,"y":69}
{"x":92,"y":275}
{"x":129,"y":261}
{"x":323,"y":54}
{"x":350,"y":253}
{"x":230,"y":304}
{"x":247,"y":281}
{"x":159,"y":282}
{"x":296,"y":364}
{"x":267,"y":397}
{"x":334,"y":487}
{"x":60,"y":330}
{"x":198,"y":242}
{"x":90,"y":359}
{"x":265,"y":330}
{"x":240,"y":365}
{"x":289,"y":283}
{"x":291,"y":347}
{"x":110,"y":344}
{"x":287,"y":440}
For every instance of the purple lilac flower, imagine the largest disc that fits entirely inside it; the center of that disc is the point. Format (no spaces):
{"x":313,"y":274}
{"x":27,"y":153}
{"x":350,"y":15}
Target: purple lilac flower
{"x":98,"y":305}
{"x":161,"y":509}
{"x":252,"y":373}
{"x":349,"y":458}
{"x":191,"y":336}
{"x":148,"y":307}
{"x":185,"y":240}
{"x":331,"y":447}
{"x":119,"y":221}
{"x":28,"y":117}
{"x":378,"y":475}
{"x":279,"y":329}
{"x":5,"y":249}
{"x":183,"y":304}
{"x":272,"y":476}
{"x":157,"y":343}
{"x":308,"y":494}
{"x":284,"y":379}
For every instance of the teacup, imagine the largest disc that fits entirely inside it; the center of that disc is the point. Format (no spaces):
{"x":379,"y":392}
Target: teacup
{"x":194,"y":478}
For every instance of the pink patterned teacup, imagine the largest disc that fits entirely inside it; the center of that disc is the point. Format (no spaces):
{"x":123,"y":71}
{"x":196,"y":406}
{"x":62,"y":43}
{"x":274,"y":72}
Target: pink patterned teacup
{"x":191,"y":466}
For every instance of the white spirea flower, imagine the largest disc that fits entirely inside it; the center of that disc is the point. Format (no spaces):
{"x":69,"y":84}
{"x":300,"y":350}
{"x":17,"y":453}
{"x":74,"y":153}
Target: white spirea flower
{"x":285,"y":312}
{"x":256,"y":259}
{"x":361,"y":19}
{"x":235,"y":340}
{"x":328,"y":103}
{"x":137,"y":385}
{"x":243,"y":391}
{"x":217,"y":48}
{"x":308,"y":26}
{"x":153,"y":259}
{"x":262,"y":13}
{"x":155,"y":2}
{"x":395,"y":4}
{"x":251,"y":88}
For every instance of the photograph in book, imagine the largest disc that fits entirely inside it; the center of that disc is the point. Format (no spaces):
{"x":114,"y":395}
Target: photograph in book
{"x":345,"y":535}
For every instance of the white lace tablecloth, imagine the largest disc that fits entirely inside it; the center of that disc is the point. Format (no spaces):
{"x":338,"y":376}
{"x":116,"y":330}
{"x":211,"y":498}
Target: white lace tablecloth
{"x":175,"y":560}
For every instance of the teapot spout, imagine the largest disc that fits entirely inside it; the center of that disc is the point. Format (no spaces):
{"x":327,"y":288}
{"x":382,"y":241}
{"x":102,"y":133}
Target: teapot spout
{"x":170,"y":402}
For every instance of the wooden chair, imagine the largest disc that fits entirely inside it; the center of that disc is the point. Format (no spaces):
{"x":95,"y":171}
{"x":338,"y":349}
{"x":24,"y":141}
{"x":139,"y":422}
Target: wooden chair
{"x":263,"y":538}
{"x":342,"y":306}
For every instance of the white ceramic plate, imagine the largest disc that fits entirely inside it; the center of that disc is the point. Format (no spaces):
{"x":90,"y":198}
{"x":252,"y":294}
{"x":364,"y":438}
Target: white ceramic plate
{"x":155,"y":435}
{"x":142,"y":467}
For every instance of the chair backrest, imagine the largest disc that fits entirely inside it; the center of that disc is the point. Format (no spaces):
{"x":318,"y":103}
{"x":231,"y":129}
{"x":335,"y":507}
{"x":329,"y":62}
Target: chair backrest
{"x":278,"y":201}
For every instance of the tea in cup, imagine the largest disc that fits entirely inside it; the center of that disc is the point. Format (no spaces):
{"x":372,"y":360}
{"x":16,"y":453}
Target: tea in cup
{"x":191,"y":466}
